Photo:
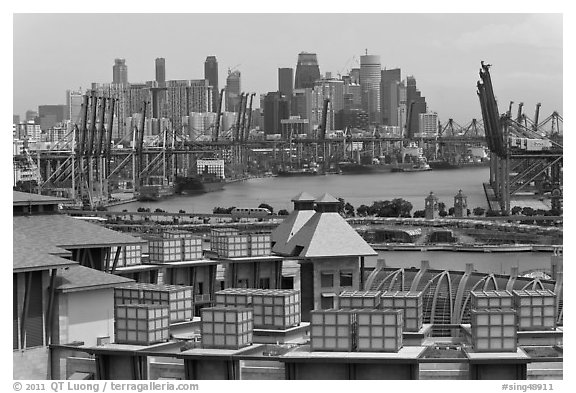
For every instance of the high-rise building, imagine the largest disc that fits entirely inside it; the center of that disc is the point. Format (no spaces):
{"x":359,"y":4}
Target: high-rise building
{"x":160,"y":71}
{"x":355,"y":75}
{"x":428,"y":124}
{"x":286,"y":81}
{"x":307,"y":71}
{"x":31,"y":115}
{"x":120,"y":71}
{"x":50,"y":115}
{"x":352,"y":94}
{"x":333,"y":90}
{"x":15,"y":119}
{"x":370,"y":79}
{"x":211,"y":74}
{"x":389,"y":96}
{"x":73,"y":105}
{"x":301,"y":104}
{"x":415,"y":105}
{"x":276,"y":108}
{"x":233,"y":88}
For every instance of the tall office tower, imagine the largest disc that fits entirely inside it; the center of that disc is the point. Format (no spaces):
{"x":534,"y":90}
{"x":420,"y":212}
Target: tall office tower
{"x":276,"y":108}
{"x":301,"y":104}
{"x":352,"y":94}
{"x":120,"y":71}
{"x":200,"y":96}
{"x":415,"y":105}
{"x":428,"y":124}
{"x":211,"y":74}
{"x":370,"y":78}
{"x":160,"y":63}
{"x":332,"y":89}
{"x":31,"y":115}
{"x":73,"y":105}
{"x":50,"y":115}
{"x":389,"y":96}
{"x":15,"y":119}
{"x":286,"y":81}
{"x":233,"y":91}
{"x":138,"y":93}
{"x":355,"y":75}
{"x":307,"y":71}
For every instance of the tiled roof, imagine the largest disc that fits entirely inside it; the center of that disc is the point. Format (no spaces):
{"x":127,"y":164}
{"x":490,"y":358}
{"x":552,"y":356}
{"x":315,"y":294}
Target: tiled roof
{"x":327,"y":235}
{"x":38,"y":244}
{"x":327,"y":198}
{"x":25,"y":198}
{"x":81,"y":278}
{"x":303,"y":197}
{"x":288,"y":228}
{"x":63,"y":231}
{"x":26,"y":256}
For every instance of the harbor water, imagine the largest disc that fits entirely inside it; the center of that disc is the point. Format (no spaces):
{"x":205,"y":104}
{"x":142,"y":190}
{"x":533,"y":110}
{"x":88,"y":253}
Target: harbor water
{"x":355,"y":189}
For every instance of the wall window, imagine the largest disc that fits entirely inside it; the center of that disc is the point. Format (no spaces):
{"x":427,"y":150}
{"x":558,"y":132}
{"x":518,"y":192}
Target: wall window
{"x":326,"y":280}
{"x":327,"y":302}
{"x":345,"y":278}
{"x":264,"y":283}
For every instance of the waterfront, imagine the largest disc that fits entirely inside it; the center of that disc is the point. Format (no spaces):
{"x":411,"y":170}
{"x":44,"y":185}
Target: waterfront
{"x":356,"y":189}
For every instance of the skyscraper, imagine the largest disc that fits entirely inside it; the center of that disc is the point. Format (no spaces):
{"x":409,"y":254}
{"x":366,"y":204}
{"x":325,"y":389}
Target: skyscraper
{"x":120,"y":71}
{"x":415,"y":105}
{"x":286,"y":81}
{"x":332,"y":89}
{"x":233,"y":88}
{"x":276,"y":108}
{"x":370,"y":78}
{"x":389,"y":96}
{"x":161,"y":71}
{"x":211,"y":74}
{"x":307,"y":71}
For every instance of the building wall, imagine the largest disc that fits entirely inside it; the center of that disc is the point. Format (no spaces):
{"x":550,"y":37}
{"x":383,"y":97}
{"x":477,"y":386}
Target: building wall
{"x":31,"y":364}
{"x":334,"y":266}
{"x":84,"y":316}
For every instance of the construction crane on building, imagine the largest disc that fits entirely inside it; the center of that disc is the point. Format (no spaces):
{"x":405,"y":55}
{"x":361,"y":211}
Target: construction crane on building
{"x":232,"y":69}
{"x":346,"y":67}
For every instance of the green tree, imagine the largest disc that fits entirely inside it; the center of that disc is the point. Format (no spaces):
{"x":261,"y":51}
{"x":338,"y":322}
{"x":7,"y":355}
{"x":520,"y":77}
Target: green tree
{"x":442,"y":213}
{"x":349,"y":210}
{"x":516,"y":210}
{"x":478,"y":211}
{"x":283,"y":212}
{"x":493,"y":213}
{"x":527,"y":211}
{"x":266,"y":206}
{"x":451,"y":211}
{"x":419,"y":214}
{"x":362,"y":210}
{"x":441,"y":206}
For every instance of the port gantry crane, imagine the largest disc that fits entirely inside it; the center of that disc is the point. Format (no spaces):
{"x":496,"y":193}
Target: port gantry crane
{"x":523,"y":158}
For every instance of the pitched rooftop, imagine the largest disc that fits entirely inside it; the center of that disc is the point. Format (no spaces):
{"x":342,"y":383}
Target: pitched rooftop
{"x":27,"y":257}
{"x":66,"y":232}
{"x":325,"y":234}
{"x":81,"y":278}
{"x":303,"y":211}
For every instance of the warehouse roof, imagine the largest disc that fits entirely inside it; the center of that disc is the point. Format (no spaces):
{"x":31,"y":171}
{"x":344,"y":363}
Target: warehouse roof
{"x":63,"y":231}
{"x":81,"y":278}
{"x":26,"y":198}
{"x":27,"y":257}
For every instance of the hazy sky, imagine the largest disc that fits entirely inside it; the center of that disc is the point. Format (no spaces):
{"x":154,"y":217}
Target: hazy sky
{"x":55,"y":52}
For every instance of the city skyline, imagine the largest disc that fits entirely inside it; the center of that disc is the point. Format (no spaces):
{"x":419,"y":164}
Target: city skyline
{"x":447,"y":77}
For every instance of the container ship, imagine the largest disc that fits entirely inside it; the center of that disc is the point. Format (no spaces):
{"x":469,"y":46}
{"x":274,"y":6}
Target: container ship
{"x":191,"y":185}
{"x":154,"y":192}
